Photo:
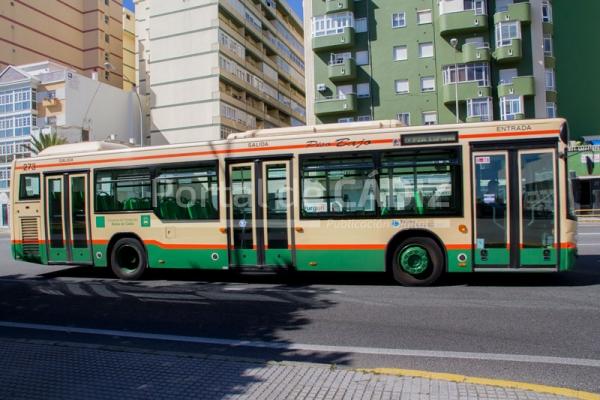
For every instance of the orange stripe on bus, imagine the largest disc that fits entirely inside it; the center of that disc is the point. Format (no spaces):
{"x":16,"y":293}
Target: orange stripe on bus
{"x":184,"y":246}
{"x":508,"y":134}
{"x":271,"y":148}
{"x":459,"y":246}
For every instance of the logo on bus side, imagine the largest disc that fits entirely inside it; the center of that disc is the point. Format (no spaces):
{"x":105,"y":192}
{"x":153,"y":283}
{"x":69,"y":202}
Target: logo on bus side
{"x":341,"y":142}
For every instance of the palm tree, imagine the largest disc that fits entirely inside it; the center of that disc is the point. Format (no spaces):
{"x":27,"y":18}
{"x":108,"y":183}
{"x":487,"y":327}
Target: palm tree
{"x":43,"y":141}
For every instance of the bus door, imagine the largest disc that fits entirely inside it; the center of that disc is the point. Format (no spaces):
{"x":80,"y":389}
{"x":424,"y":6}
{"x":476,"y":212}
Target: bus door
{"x":515,"y":209}
{"x":67,"y":219}
{"x":260,"y":232}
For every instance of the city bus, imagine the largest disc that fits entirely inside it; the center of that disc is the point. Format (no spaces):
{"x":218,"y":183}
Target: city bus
{"x":374,"y":196}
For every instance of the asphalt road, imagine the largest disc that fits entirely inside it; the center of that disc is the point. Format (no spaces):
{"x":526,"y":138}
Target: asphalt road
{"x":534,"y":328}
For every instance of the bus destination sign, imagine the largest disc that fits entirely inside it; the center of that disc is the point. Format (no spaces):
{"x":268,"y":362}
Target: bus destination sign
{"x":430,"y":138}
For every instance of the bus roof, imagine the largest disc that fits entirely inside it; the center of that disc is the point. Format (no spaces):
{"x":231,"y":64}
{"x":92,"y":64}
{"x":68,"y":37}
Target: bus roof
{"x":300,"y":132}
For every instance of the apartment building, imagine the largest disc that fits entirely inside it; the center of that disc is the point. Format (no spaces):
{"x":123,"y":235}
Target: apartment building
{"x":47,"y":97}
{"x":80,"y":34}
{"x":211,"y":68}
{"x":429,"y":61}
{"x":129,"y":58}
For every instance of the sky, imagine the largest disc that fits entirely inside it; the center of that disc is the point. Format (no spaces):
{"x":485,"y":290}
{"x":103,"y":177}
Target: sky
{"x":295,"y":4}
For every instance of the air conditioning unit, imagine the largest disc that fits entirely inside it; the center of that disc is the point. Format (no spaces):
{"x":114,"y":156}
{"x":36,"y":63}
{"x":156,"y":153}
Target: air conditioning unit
{"x":321,"y":87}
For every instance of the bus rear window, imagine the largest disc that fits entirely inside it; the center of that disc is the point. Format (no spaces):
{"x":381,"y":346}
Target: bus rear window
{"x":29,"y":187}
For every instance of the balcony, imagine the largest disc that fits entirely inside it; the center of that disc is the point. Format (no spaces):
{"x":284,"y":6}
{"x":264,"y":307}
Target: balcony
{"x":343,"y":71}
{"x":475,"y":52}
{"x":515,"y":12}
{"x":336,"y":105}
{"x":333,"y":6}
{"x":520,"y":86}
{"x":463,"y":22}
{"x":336,"y":41}
{"x":510,"y":53}
{"x":464,"y":91}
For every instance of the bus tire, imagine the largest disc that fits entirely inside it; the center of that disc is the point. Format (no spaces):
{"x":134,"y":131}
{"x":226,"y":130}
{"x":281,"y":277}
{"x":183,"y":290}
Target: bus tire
{"x":128,"y":259}
{"x":417,"y":261}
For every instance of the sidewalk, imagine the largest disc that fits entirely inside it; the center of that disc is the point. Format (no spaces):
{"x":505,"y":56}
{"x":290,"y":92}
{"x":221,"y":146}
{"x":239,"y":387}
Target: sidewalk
{"x":53,"y":370}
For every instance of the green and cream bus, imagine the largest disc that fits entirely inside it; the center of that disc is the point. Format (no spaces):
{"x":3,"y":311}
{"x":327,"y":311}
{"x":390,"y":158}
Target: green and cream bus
{"x":369,"y":196}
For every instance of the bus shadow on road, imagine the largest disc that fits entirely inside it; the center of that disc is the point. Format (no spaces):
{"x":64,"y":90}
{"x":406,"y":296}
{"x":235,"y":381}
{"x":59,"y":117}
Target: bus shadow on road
{"x":586,"y":273}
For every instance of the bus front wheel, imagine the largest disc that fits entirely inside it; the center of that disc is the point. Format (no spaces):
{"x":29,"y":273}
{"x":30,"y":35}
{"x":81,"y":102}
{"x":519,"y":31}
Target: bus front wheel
{"x":128,"y":259}
{"x":417,"y":261}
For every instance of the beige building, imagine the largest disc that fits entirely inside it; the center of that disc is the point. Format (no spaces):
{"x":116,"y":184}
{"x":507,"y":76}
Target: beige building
{"x":129,"y":64}
{"x":80,"y":34}
{"x":211,"y":68}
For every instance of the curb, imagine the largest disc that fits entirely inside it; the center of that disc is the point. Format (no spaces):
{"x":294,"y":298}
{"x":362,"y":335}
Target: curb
{"x":533,"y":387}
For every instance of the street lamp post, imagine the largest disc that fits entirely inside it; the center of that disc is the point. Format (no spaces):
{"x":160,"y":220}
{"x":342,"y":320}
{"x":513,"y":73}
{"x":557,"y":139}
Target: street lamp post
{"x":109,"y":67}
{"x":454,"y":44}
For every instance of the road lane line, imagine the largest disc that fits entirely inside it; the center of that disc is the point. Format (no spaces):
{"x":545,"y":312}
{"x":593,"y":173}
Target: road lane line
{"x":582,"y":362}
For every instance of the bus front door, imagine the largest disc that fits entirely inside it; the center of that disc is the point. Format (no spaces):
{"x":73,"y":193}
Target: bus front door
{"x":515,"y":209}
{"x":67,"y":219}
{"x":259,"y":214}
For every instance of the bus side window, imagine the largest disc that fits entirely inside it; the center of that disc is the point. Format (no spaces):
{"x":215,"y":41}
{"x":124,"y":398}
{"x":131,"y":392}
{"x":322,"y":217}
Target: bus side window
{"x":29,"y":187}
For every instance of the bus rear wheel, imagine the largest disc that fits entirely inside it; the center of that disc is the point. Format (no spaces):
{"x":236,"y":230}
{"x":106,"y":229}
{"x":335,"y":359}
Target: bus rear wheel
{"x":128,"y":259}
{"x":417,"y":262}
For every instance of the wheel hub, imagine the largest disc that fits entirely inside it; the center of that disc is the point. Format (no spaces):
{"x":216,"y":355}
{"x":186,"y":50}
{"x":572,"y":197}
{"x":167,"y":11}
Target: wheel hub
{"x":414,"y":259}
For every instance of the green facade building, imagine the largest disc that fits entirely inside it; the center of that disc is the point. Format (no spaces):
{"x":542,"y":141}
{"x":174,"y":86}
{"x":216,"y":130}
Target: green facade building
{"x":420,"y":60}
{"x":577,"y":47}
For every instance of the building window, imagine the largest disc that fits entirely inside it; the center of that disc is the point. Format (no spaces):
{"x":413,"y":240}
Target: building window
{"x":427,"y":83}
{"x":424,"y":17}
{"x":548,"y":46}
{"x":123,"y":190}
{"x":551,"y":110}
{"x":404,"y":117}
{"x":106,"y":75}
{"x":451,"y":6}
{"x":546,"y":11}
{"x":360,"y":25}
{"x":106,"y":57}
{"x":550,"y":82}
{"x":481,"y":108}
{"x":106,"y":37}
{"x":400,"y":53}
{"x":332,"y":24}
{"x":106,"y":2}
{"x":398,"y":20}
{"x":107,"y":19}
{"x":425,"y":49}
{"x":506,"y":32}
{"x":363,"y":90}
{"x":510,"y":107}
{"x":429,"y":118}
{"x":362,"y":57}
{"x":188,"y":193}
{"x":472,"y":72}
{"x":364,"y":118}
{"x":339,"y":58}
{"x":401,"y":86}
{"x":345,"y":120}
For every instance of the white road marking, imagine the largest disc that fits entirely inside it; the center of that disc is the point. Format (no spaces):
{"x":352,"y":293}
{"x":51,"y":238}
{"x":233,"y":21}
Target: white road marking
{"x":77,"y":290}
{"x":583,"y":362}
{"x":588,"y":233}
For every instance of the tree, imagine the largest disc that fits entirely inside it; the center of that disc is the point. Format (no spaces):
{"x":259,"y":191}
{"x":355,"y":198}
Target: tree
{"x":43,"y":141}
